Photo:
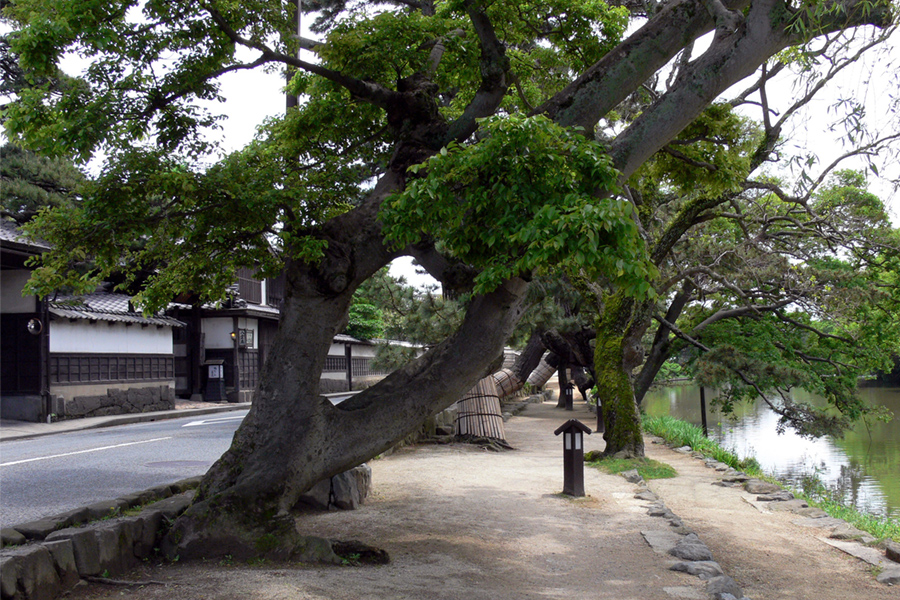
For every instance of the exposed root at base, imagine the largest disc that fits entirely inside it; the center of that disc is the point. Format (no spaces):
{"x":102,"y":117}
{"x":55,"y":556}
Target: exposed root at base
{"x":492,"y":444}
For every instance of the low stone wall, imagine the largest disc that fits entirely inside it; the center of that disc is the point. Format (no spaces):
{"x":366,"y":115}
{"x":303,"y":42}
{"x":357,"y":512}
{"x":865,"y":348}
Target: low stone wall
{"x":42,"y":559}
{"x":122,"y":401}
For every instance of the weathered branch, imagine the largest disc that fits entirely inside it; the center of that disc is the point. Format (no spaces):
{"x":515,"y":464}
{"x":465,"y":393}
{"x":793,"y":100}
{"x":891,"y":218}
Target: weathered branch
{"x":494,"y":81}
{"x":739,"y":312}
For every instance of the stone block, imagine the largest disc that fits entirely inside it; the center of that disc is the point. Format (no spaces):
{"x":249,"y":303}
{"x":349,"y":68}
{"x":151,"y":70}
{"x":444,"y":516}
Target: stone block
{"x":719,"y":587}
{"x":150,"y":529}
{"x":757,"y":486}
{"x":691,"y":548}
{"x":11,"y":537}
{"x":191,"y":483}
{"x":63,"y":554}
{"x":84,"y":546}
{"x":789,"y":505}
{"x":704,"y":569}
{"x":781,"y":496}
{"x":38,"y":530}
{"x":632,"y":476}
{"x":889,"y":576}
{"x":105,"y":509}
{"x":35,"y":574}
{"x":344,"y":491}
{"x":9,"y":578}
{"x":892,"y":550}
{"x":363,"y":474}
{"x":161,"y":491}
{"x":115,"y":544}
{"x":74,"y":517}
{"x":318,"y":496}
{"x":173,"y":506}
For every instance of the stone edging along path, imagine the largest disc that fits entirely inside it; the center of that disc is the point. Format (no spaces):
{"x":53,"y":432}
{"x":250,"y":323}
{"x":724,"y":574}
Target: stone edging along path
{"x":682,"y":543}
{"x":43,"y":558}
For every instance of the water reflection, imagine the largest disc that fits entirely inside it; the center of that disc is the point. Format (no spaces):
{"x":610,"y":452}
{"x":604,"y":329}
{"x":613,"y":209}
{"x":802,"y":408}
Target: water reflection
{"x":863,"y":466}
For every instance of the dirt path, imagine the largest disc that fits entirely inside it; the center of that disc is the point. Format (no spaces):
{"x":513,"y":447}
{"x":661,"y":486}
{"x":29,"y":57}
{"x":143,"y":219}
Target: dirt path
{"x":764,"y":550}
{"x":461,"y":522}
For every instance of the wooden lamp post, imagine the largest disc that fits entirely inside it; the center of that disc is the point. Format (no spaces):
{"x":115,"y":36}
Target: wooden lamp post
{"x":573,"y":432}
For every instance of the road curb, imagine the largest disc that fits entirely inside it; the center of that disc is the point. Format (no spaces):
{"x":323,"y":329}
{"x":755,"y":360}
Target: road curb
{"x":34,"y":430}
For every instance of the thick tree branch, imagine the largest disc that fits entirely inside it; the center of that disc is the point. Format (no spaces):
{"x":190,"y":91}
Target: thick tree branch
{"x":494,"y":80}
{"x":608,"y":82}
{"x":368,"y":91}
{"x":734,"y":313}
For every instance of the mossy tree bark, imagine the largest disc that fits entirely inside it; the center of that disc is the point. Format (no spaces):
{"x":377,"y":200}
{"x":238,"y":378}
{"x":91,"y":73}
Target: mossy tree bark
{"x":617,"y":353}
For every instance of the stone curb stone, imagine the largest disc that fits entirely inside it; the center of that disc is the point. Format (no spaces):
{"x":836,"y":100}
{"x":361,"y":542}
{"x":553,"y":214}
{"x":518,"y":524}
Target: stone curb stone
{"x":8,"y":576}
{"x":892,"y":550}
{"x":100,"y":510}
{"x":11,"y":537}
{"x":812,"y":512}
{"x":632,"y":476}
{"x":757,"y":486}
{"x":64,"y":560}
{"x":84,"y":546}
{"x":35,"y":574}
{"x":791,"y":505}
{"x":723,"y":585}
{"x":692,"y":552}
{"x":704,"y":569}
{"x":890,"y":576}
{"x":38,"y":530}
{"x":661,"y":540}
{"x":782,"y":496}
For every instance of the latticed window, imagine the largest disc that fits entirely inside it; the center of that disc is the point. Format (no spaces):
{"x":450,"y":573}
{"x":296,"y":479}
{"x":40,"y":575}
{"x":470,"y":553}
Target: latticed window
{"x":249,"y":288}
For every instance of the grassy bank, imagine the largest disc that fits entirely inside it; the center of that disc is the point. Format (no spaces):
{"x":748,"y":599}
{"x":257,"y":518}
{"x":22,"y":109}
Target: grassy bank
{"x":680,"y":433}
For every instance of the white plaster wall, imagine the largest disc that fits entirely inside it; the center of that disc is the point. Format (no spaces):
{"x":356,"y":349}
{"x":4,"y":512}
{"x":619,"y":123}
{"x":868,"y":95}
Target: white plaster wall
{"x":358,"y":351}
{"x":363,"y":351}
{"x":11,"y":300}
{"x":101,"y":337}
{"x":218,"y":333}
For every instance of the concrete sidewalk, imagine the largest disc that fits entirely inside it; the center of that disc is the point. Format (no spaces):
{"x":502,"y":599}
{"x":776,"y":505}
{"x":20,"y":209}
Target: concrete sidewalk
{"x":17,"y":430}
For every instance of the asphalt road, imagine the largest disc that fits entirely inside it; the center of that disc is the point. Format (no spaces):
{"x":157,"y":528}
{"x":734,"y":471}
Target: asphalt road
{"x":49,"y":475}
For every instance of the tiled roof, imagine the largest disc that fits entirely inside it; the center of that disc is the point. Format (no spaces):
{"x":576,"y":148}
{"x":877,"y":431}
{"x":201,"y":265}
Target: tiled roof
{"x":9,"y":232}
{"x":105,"y":306}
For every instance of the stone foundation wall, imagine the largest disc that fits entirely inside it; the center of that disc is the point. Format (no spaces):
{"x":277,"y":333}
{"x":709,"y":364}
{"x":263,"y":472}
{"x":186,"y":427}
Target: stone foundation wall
{"x":122,"y":401}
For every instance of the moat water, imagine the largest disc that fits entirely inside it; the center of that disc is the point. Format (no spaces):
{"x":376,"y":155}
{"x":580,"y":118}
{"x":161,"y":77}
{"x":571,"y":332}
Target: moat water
{"x":863,"y":466}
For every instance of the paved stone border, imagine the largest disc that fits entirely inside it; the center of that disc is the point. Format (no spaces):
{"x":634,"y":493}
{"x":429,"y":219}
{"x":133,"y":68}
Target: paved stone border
{"x":682,"y":543}
{"x":838,"y":533}
{"x":42,"y":559}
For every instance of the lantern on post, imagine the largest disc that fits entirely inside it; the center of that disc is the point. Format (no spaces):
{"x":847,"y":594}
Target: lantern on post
{"x":573,"y":432}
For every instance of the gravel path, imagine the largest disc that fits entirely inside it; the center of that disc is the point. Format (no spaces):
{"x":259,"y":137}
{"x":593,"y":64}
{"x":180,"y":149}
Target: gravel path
{"x":462,"y":522}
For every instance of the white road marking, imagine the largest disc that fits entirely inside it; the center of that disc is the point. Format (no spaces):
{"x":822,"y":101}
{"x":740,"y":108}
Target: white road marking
{"x":211,"y":421}
{"x":28,"y":460}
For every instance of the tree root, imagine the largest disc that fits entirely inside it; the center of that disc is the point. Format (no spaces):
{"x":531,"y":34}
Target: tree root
{"x":492,"y":444}
{"x":108,"y":581}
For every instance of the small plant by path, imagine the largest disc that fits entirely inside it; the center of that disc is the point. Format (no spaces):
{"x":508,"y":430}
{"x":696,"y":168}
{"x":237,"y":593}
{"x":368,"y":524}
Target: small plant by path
{"x":646,"y":467}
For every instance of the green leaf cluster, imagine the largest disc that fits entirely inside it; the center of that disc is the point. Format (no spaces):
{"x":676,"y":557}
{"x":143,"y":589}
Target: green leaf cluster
{"x":529,"y":197}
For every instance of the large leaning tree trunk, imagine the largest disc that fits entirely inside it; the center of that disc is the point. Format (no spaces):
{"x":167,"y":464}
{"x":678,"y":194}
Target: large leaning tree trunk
{"x":617,"y":353}
{"x":292,"y":438}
